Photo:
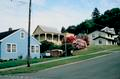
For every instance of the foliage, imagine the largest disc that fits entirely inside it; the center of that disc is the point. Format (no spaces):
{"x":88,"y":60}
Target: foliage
{"x":39,"y":67}
{"x":46,"y":46}
{"x":69,"y":47}
{"x":80,"y":44}
{"x":110,"y":18}
{"x":14,"y":63}
{"x":83,"y":37}
{"x":95,"y":13}
{"x":63,"y":30}
{"x":117,"y":40}
{"x":71,"y":29}
{"x":70,"y":39}
{"x":20,"y":57}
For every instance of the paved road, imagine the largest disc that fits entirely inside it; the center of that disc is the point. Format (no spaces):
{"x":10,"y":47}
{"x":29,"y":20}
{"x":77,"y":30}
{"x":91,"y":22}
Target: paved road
{"x":107,"y":67}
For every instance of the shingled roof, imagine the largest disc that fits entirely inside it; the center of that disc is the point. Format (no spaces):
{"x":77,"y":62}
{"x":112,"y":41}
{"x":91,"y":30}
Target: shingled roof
{"x":6,"y":33}
{"x":103,"y":38}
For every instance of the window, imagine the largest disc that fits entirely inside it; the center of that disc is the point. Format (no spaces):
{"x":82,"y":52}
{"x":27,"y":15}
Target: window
{"x":100,"y":41}
{"x":93,"y":35}
{"x":11,"y":47}
{"x":32,"y":49}
{"x":8,"y":47}
{"x":37,"y":49}
{"x":22,"y":35}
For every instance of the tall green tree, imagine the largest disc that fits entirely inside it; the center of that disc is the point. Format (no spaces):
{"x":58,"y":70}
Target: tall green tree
{"x":95,"y":13}
{"x":111,"y":18}
{"x":71,"y":29}
{"x":63,"y":29}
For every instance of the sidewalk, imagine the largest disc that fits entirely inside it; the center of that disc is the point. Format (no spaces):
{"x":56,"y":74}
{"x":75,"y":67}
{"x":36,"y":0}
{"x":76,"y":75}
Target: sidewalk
{"x":53,"y":60}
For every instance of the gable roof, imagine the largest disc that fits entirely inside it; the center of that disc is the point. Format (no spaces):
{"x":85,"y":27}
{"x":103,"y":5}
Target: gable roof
{"x":49,"y":29}
{"x":7,"y":33}
{"x":103,"y":32}
{"x":43,"y":29}
{"x":103,"y":38}
{"x":108,"y":30}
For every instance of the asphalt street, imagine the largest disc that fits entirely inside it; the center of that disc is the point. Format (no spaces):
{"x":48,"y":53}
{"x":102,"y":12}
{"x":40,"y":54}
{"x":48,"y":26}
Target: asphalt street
{"x":107,"y":67}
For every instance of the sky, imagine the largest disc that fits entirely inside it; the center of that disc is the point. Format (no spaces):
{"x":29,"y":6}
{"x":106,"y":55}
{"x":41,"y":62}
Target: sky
{"x":50,"y":13}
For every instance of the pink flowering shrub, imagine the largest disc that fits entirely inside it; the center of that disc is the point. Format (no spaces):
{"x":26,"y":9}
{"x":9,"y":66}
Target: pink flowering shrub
{"x":80,"y":44}
{"x":70,"y":39}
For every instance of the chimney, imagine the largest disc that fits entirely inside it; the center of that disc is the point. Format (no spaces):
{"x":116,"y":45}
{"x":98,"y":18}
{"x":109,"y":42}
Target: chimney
{"x":10,"y":29}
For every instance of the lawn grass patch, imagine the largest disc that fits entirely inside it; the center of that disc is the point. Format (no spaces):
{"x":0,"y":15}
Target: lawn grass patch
{"x":90,"y":49}
{"x":39,"y":67}
{"x":19,"y":62}
{"x":95,"y":48}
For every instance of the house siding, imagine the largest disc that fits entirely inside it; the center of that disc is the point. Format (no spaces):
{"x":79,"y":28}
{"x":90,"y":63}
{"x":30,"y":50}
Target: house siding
{"x":102,"y":40}
{"x":96,"y":34}
{"x":102,"y":34}
{"x":21,"y":46}
{"x":0,"y":50}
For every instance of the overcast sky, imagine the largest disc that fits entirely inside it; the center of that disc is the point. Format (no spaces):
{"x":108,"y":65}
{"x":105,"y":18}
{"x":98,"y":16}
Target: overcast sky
{"x":51,"y":13}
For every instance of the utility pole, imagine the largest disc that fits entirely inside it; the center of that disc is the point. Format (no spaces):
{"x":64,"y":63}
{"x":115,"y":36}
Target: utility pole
{"x":29,"y":25}
{"x":65,"y":45}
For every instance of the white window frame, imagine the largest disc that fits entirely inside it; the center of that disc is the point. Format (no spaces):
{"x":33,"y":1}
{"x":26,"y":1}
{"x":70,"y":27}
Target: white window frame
{"x":7,"y":48}
{"x":11,"y":49}
{"x":31,"y":49}
{"x":21,"y":35}
{"x":35,"y":49}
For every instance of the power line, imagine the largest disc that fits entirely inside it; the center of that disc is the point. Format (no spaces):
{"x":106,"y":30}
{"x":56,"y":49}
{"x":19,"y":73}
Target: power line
{"x":45,"y":8}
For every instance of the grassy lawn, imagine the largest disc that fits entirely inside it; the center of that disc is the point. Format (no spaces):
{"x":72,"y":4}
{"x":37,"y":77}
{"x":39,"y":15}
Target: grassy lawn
{"x":39,"y":67}
{"x":35,"y":68}
{"x":19,"y":62}
{"x":96,"y":48}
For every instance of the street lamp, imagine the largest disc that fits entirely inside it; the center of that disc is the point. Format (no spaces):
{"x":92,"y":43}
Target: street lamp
{"x":29,"y":25}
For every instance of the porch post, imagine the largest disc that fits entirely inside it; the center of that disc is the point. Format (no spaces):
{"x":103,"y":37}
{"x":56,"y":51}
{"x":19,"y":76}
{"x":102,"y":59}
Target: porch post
{"x":45,"y":36}
{"x":52,"y":37}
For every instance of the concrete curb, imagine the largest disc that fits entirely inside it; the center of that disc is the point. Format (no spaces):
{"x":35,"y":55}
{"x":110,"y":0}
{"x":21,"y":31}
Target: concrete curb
{"x":75,"y":62}
{"x":54,"y":60}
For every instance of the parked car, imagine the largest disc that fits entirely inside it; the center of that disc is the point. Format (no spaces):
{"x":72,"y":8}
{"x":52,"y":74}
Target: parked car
{"x":45,"y":55}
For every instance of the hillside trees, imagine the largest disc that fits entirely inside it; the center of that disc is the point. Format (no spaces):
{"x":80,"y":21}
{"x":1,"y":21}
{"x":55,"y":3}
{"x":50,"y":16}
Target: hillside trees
{"x":110,"y":18}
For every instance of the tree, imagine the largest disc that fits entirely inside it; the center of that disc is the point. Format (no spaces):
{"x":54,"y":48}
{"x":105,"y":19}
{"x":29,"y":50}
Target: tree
{"x":85,"y":27}
{"x":71,"y":29}
{"x":46,"y":46}
{"x":80,"y":44}
{"x":95,"y":13}
{"x":70,"y":39}
{"x":63,"y":29}
{"x":69,"y":48}
{"x":110,"y":18}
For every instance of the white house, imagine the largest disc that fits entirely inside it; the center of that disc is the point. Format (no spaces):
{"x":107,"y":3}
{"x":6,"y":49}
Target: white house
{"x":103,"y":37}
{"x":42,"y":33}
